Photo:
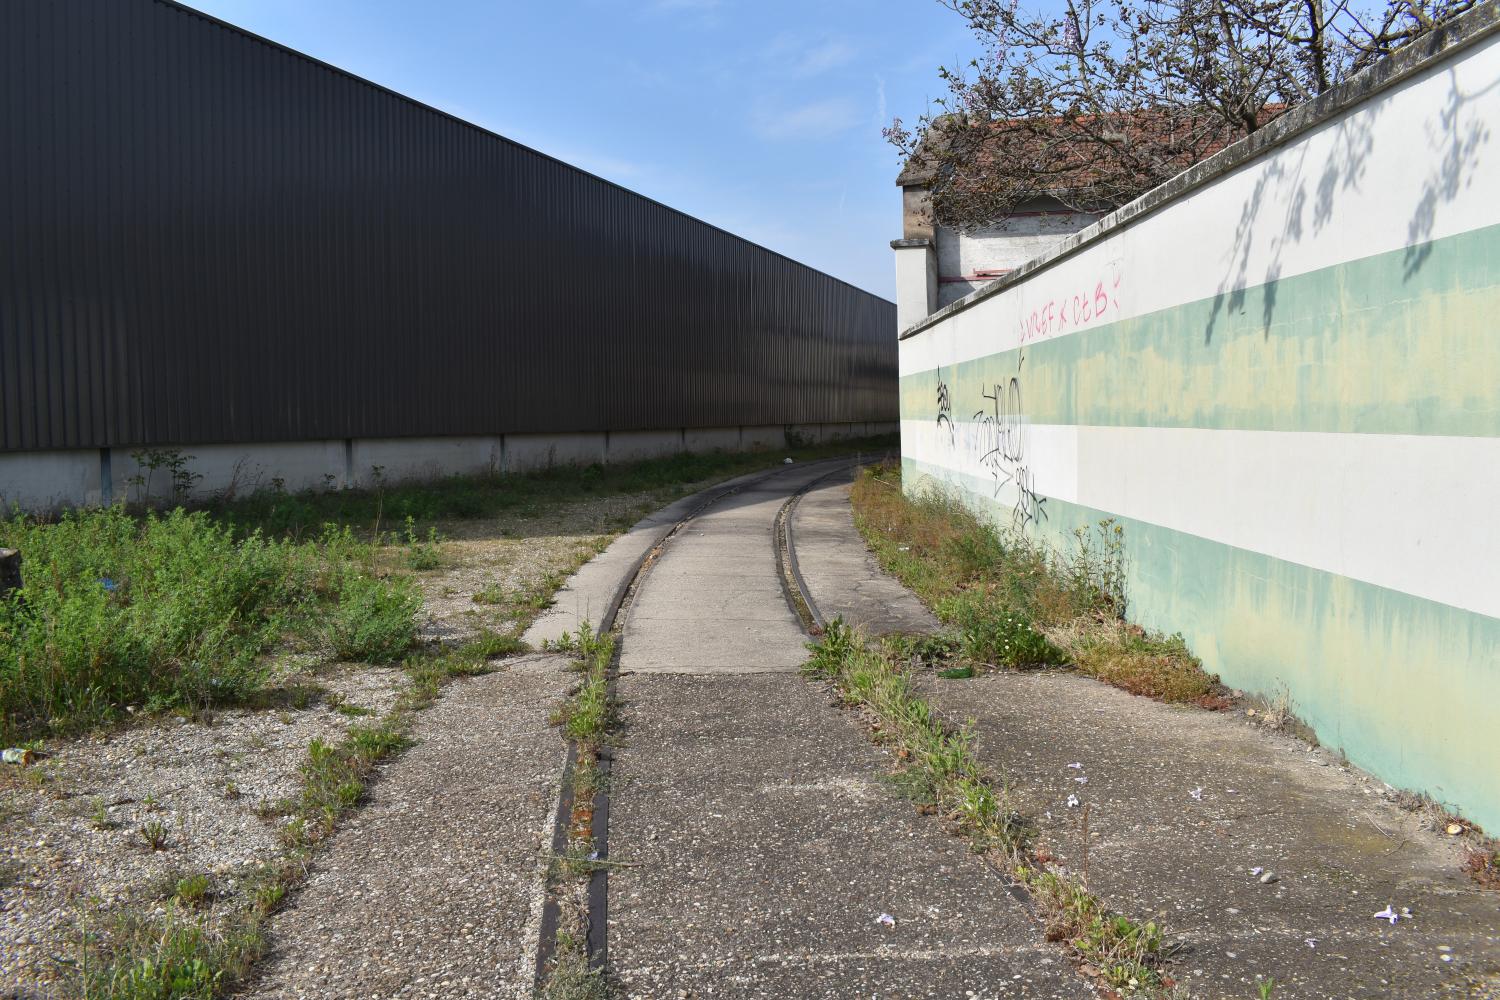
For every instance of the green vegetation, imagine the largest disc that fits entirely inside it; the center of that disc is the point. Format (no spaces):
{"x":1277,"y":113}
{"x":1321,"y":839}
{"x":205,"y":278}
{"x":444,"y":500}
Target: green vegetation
{"x":587,"y":713}
{"x":585,"y":717}
{"x":941,"y":774}
{"x":940,"y":766}
{"x":571,"y":978}
{"x":1012,"y":602}
{"x":173,"y":611}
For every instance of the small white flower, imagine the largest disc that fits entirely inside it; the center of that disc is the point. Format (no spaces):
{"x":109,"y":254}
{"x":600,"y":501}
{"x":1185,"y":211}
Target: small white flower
{"x":1072,"y":802}
{"x":1197,"y":793}
{"x":1388,"y":914}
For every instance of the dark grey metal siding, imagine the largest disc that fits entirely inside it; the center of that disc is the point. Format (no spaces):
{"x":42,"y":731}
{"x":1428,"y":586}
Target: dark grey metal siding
{"x":206,"y":237}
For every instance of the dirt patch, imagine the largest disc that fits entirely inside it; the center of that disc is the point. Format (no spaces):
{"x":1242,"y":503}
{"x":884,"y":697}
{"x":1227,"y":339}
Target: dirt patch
{"x":77,"y":823}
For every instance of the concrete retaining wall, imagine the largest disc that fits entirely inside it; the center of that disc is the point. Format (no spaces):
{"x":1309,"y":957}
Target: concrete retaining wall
{"x":1279,"y":372}
{"x":48,"y":480}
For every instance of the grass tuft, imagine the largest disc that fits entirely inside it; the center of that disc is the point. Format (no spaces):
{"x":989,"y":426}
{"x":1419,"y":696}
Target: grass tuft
{"x":1013,"y":602}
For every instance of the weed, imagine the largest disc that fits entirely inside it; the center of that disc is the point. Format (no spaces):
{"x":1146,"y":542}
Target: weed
{"x":170,"y":957}
{"x":154,"y":835}
{"x":913,"y":784}
{"x":149,"y":461}
{"x":992,"y":633}
{"x":1265,"y":988}
{"x":570,"y":977}
{"x":1124,"y":951}
{"x":489,"y":495}
{"x":374,"y":620}
{"x":193,"y":890}
{"x":947,"y":772}
{"x":491,"y":593}
{"x":962,"y":673}
{"x":587,"y":713}
{"x":1483,"y":866}
{"x":169,"y":611}
{"x":422,"y":554}
{"x":268,"y":897}
{"x":231,"y":791}
{"x":488,"y":645}
{"x":1129,"y":657}
{"x":99,"y":817}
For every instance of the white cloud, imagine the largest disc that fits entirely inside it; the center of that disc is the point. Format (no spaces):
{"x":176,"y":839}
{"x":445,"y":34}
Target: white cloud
{"x":798,"y":57}
{"x":821,"y":58}
{"x":818,"y":119}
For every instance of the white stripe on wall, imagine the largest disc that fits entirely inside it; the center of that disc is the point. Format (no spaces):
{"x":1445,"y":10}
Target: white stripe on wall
{"x":1426,"y":520}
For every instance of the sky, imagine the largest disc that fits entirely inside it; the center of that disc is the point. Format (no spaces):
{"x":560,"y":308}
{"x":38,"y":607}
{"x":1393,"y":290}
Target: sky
{"x":762,"y":117}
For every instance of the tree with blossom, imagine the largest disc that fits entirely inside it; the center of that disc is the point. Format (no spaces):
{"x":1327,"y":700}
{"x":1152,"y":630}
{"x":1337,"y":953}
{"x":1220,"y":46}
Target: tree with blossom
{"x":1103,"y":101}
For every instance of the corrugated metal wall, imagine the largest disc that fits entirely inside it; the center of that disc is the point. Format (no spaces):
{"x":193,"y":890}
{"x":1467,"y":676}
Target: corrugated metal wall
{"x":205,"y":237}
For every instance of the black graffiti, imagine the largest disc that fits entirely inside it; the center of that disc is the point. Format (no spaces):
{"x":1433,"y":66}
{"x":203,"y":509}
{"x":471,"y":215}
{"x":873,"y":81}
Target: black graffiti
{"x":1002,"y":437}
{"x":945,"y":406}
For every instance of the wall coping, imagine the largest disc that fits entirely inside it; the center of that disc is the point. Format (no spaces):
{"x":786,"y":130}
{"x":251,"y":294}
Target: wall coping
{"x":1464,"y":31}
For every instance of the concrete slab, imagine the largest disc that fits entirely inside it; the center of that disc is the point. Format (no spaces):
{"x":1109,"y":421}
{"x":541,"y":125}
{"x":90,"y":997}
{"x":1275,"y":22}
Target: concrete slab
{"x":433,"y":888}
{"x":719,"y":596}
{"x":843,"y":577}
{"x":762,"y":850}
{"x":1185,"y":807}
{"x":588,"y":593}
{"x":714,"y":602}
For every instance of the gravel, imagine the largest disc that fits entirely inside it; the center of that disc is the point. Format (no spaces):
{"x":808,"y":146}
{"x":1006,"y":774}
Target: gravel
{"x":66,"y":871}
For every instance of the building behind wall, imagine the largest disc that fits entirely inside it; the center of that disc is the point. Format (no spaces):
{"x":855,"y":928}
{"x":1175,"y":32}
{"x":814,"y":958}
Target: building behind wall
{"x":938,"y":264}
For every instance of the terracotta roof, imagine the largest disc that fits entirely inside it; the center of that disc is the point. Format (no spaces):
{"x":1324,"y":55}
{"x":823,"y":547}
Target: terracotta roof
{"x":1069,"y":167}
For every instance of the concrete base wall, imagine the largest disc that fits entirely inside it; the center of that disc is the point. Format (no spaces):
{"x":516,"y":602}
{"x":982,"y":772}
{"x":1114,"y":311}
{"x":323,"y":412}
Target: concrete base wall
{"x":402,"y":459}
{"x":767,"y":437}
{"x":711,"y":439}
{"x":44,"y":481}
{"x":48,"y":479}
{"x":234,"y":469}
{"x":524,"y":452}
{"x":632,"y":446}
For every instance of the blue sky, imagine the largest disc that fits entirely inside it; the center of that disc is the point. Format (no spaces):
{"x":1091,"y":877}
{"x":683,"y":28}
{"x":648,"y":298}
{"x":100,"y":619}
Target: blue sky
{"x":760,"y":116}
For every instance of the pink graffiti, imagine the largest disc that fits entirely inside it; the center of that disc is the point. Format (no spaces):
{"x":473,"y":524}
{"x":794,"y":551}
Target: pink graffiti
{"x":1069,"y":312}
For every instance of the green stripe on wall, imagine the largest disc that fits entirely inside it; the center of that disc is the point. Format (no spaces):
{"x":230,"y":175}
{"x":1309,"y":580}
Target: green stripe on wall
{"x":1400,"y":343}
{"x":1404,"y":686}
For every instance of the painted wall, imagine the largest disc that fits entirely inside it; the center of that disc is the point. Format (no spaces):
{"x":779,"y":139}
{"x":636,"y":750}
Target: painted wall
{"x":1281,"y":374}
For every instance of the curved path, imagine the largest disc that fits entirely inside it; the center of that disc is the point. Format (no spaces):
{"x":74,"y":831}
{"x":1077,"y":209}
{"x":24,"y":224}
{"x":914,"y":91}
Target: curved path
{"x":757,"y":850}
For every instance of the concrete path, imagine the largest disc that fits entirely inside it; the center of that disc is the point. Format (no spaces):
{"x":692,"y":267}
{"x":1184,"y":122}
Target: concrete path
{"x":842,"y":574}
{"x":759,"y":848}
{"x":433,"y":889}
{"x":1188,"y":807}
